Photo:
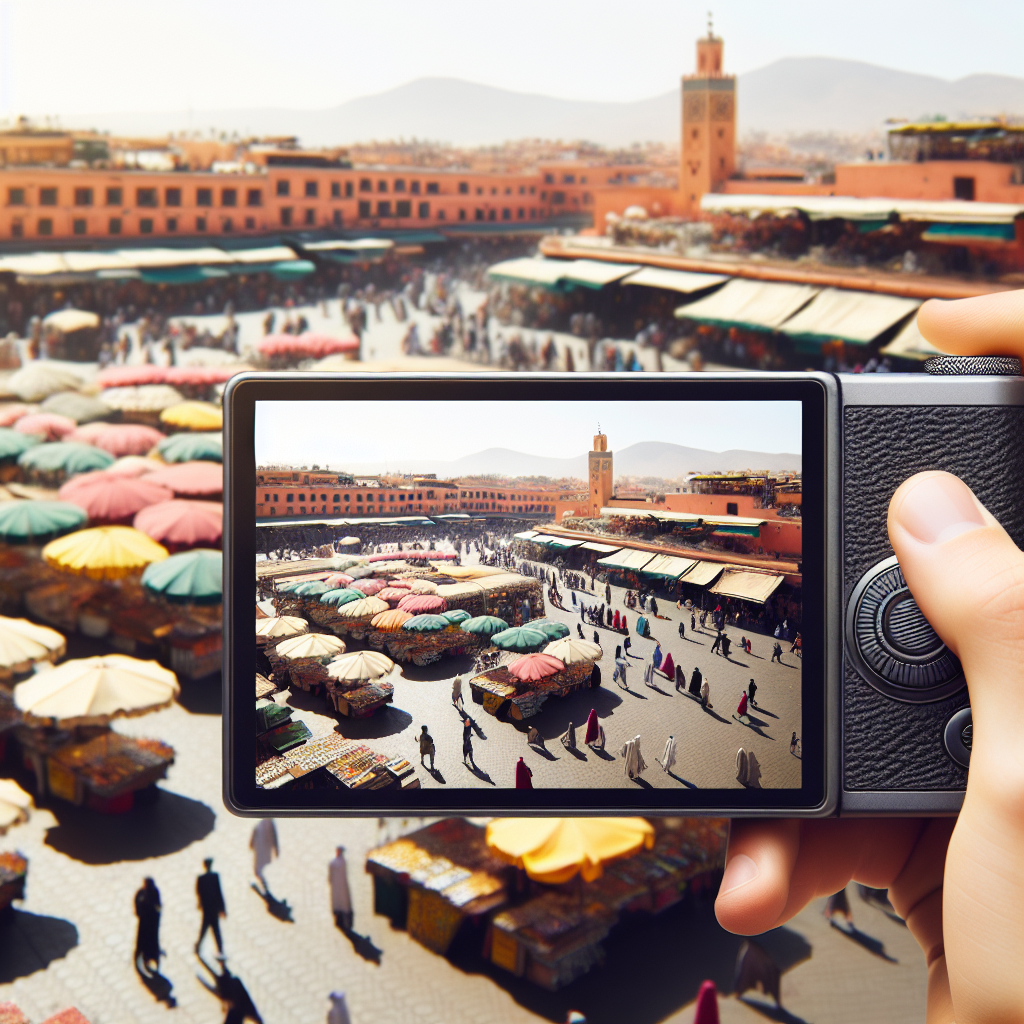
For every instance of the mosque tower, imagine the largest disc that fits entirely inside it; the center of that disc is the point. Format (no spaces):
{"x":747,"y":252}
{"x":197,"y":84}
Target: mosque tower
{"x":708,"y":151}
{"x":600,"y":466}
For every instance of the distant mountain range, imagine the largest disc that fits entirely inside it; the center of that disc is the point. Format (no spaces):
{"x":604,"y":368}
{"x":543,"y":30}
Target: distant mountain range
{"x":797,"y":94}
{"x":646,"y":459}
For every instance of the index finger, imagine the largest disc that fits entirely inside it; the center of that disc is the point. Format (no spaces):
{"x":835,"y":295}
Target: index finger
{"x":985,"y":325}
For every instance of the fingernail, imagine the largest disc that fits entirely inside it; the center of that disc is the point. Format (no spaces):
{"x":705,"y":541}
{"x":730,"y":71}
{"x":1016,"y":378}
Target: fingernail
{"x":740,"y":870}
{"x":938,"y":508}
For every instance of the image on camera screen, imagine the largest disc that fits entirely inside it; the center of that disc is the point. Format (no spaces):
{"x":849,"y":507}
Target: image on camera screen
{"x":531,"y":595}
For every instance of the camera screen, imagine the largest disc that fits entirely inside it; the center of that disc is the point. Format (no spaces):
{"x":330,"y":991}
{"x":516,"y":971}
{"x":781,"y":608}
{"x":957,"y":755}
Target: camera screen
{"x":531,"y":595}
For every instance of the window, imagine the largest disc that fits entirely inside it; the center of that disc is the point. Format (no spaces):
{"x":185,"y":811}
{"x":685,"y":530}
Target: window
{"x":348,"y":189}
{"x":558,"y":198}
{"x":549,"y":179}
{"x":335,"y":189}
{"x":364,"y":208}
{"x":250,"y":223}
{"x":533,"y":213}
{"x":83,"y":197}
{"x":424,"y":210}
{"x":963,"y":188}
{"x":492,"y":214}
{"x":478,"y":214}
{"x":290,"y":498}
{"x":732,"y":508}
{"x":323,"y":497}
{"x":254,"y":197}
{"x":359,"y":497}
{"x":286,"y":216}
{"x":229,"y":197}
{"x":47,"y":197}
{"x":336,"y":218}
{"x":312,"y":189}
{"x":521,"y":213}
{"x":533,"y":190}
{"x":391,"y":497}
{"x":172,"y":197}
{"x":145,"y":197}
{"x":204,"y":197}
{"x":146,"y":225}
{"x":15,"y":197}
{"x":463,"y":188}
{"x":383,"y":208}
{"x":508,"y":191}
{"x":78,"y":226}
{"x":506,"y":214}
{"x":365,"y":185}
{"x":568,"y":179}
{"x":441,"y":215}
{"x":382,"y":185}
{"x":433,"y":188}
{"x":399,"y":184}
{"x":310,"y":218}
{"x":337,"y":497}
{"x":522,"y":190}
{"x":276,"y":498}
{"x":200,"y":224}
{"x":266,"y":497}
{"x":227,"y":225}
{"x":479,"y":191}
{"x":544,"y":196}
{"x":284,"y":187}
{"x":462,"y":214}
{"x":494,"y":191}
{"x":403,"y":208}
{"x":172,"y":225}
{"x":115,"y":196}
{"x":45,"y":226}
{"x":302,"y":497}
{"x":114,"y":225}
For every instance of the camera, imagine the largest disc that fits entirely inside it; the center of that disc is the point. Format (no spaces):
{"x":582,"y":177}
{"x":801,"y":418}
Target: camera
{"x":596,"y":593}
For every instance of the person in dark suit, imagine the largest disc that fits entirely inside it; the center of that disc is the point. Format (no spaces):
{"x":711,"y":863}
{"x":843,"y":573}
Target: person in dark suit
{"x":211,"y":903}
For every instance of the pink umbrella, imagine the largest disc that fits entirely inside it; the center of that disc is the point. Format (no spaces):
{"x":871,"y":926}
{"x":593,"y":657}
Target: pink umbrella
{"x":112,"y":498}
{"x":46,"y":424}
{"x":198,"y":376}
{"x":400,"y":584}
{"x":533,"y":667}
{"x":392,"y":595}
{"x":182,"y":524}
{"x":10,"y":414}
{"x":133,"y":465}
{"x":422,"y":604}
{"x":119,"y":438}
{"x":369,"y":587}
{"x":191,"y":479}
{"x":339,"y":579}
{"x":305,"y":346}
{"x":127,"y":376}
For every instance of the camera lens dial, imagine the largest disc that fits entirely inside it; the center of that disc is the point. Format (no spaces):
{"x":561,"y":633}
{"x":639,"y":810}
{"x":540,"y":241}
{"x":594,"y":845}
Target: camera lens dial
{"x":892,"y":644}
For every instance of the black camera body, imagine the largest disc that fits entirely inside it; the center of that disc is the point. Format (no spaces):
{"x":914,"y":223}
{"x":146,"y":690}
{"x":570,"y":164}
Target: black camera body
{"x":905,"y":716}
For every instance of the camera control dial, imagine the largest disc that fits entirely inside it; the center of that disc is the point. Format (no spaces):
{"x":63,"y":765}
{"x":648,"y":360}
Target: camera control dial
{"x":891,"y":643}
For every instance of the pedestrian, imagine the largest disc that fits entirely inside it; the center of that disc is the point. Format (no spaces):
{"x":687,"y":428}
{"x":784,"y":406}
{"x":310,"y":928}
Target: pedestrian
{"x":707,"y":1004}
{"x":627,"y":644}
{"x":792,"y":743}
{"x":641,"y":764}
{"x":620,"y":667}
{"x":695,"y":681}
{"x":643,"y":602}
{"x":616,"y":620}
{"x":682,"y":630}
{"x":467,"y":742}
{"x":263,"y":844}
{"x":618,"y":651}
{"x":680,"y":679}
{"x":338,"y":1013}
{"x":211,"y":903}
{"x":457,"y":701}
{"x":837,"y":905}
{"x":597,"y":638}
{"x":533,"y":737}
{"x":524,"y":776}
{"x":569,"y":738}
{"x":741,"y":710}
{"x":748,"y":645}
{"x":649,"y":674}
{"x":777,"y":652}
{"x":579,"y":629}
{"x":668,"y":666}
{"x":726,"y":643}
{"x":608,"y":593}
{"x":147,"y":939}
{"x":751,"y":690}
{"x":426,"y":746}
{"x":656,"y":658}
{"x":628,"y":755}
{"x":574,"y":599}
{"x":705,"y":693}
{"x":341,"y":896}
{"x":742,"y":766}
{"x":693,"y":622}
{"x":668,"y":757}
{"x":595,"y":676}
{"x":654,"y":606}
{"x":717,"y":644}
{"x":592,"y":726}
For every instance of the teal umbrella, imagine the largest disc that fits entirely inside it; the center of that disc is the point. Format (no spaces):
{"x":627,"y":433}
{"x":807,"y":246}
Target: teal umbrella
{"x":341,"y":596}
{"x":22,"y":521}
{"x":484,"y":625}
{"x":69,"y":457}
{"x":521,"y":638}
{"x":455,"y":616}
{"x":313,"y":589}
{"x":192,"y":448}
{"x":292,"y":268}
{"x":13,"y":443}
{"x":193,"y":577}
{"x":426,"y":623}
{"x":554,"y":630}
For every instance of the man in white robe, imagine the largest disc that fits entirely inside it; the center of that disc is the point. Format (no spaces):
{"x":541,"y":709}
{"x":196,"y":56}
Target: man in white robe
{"x":341,"y":898}
{"x":668,"y":758}
{"x":263,"y":844}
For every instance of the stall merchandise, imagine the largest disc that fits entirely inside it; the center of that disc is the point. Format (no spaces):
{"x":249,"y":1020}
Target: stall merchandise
{"x":502,"y":693}
{"x":347,"y":763}
{"x":196,"y":648}
{"x":425,"y":647}
{"x":13,"y":871}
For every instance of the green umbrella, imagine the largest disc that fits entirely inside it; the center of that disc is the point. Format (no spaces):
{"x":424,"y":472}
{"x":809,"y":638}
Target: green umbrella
{"x":22,"y":521}
{"x":484,"y":625}
{"x":80,"y":408}
{"x":287,"y":588}
{"x":521,"y":638}
{"x":554,"y":630}
{"x":426,"y":623}
{"x":192,"y":448}
{"x":313,"y":589}
{"x":67,"y":456}
{"x":341,"y":596}
{"x":193,"y":577}
{"x":14,"y":443}
{"x":455,"y":616}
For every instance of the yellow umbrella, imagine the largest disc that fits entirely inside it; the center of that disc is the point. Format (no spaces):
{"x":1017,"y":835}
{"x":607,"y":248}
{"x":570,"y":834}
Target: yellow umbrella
{"x":14,"y":804}
{"x":104,"y":552}
{"x":92,"y":691}
{"x":553,"y":850}
{"x":194,"y":416}
{"x":310,"y":645}
{"x":360,"y":666}
{"x":388,"y":622}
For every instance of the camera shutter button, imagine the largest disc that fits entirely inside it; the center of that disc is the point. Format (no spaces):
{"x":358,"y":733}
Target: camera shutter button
{"x":973,"y":366}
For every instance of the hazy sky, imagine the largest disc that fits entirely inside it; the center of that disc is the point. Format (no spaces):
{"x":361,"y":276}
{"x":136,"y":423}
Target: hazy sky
{"x":342,"y":433}
{"x":61,"y":57}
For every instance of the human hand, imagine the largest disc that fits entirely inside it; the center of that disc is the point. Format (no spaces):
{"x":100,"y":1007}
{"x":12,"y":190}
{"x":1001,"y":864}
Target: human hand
{"x":958,"y":882}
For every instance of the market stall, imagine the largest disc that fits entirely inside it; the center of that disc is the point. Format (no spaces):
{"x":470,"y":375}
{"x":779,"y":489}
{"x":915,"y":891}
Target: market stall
{"x":358,"y":683}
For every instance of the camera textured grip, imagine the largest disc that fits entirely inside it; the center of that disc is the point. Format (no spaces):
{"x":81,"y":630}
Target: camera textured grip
{"x":889,"y":745}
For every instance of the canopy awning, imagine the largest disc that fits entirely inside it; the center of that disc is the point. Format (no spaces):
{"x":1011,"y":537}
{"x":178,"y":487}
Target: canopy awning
{"x":528,"y":270}
{"x":747,"y":584}
{"x":627,"y":558}
{"x":760,"y":305}
{"x":669,"y":566}
{"x":563,"y":542}
{"x":703,"y":573}
{"x":596,"y":273}
{"x":350,"y":245}
{"x":675,"y":280}
{"x":855,"y":317}
{"x":525,"y":535}
{"x":604,"y":549}
{"x":910,"y":343}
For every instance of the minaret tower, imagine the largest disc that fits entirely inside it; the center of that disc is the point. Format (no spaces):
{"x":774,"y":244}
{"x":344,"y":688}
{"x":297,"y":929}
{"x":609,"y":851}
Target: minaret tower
{"x":708,"y":151}
{"x":600,"y":466}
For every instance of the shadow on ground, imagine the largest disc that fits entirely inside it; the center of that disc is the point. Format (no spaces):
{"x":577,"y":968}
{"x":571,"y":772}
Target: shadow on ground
{"x":653,"y":968}
{"x":31,"y":942}
{"x":163,"y":825}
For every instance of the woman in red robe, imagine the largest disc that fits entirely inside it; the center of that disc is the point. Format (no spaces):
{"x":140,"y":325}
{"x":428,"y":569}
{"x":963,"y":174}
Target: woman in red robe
{"x":742,"y":709}
{"x":616,"y":621}
{"x":668,"y":666}
{"x":524,"y":777}
{"x":592,"y":727}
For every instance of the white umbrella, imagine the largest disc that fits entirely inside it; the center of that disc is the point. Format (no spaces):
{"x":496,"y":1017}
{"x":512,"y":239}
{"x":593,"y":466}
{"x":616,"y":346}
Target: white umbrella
{"x":360,"y":666}
{"x":364,"y":609}
{"x":23,"y":644}
{"x":281,"y":626}
{"x":68,"y":320}
{"x":143,"y":398}
{"x":92,"y":691}
{"x":14,"y":804}
{"x":310,"y":645}
{"x":41,"y":379}
{"x":571,"y":650}
{"x":423,"y":587}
